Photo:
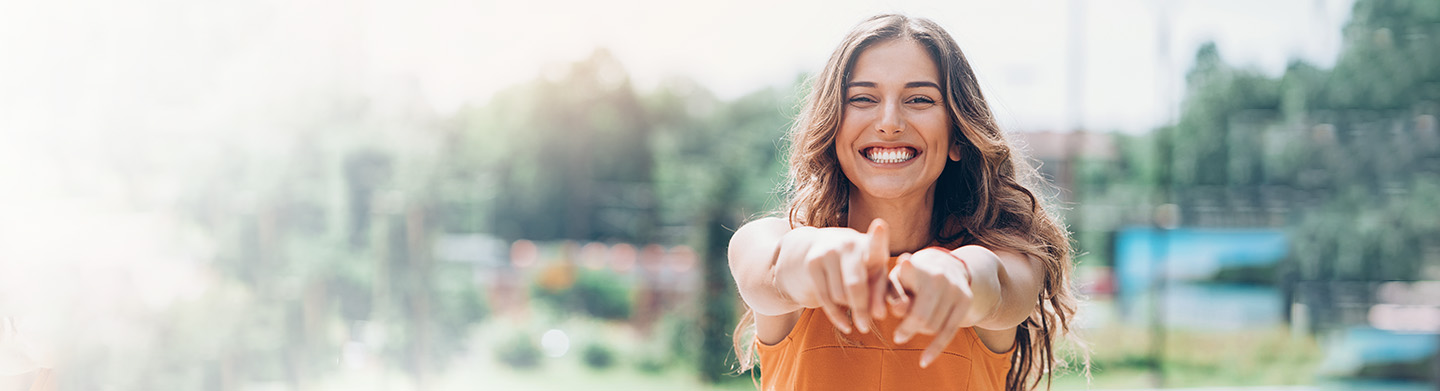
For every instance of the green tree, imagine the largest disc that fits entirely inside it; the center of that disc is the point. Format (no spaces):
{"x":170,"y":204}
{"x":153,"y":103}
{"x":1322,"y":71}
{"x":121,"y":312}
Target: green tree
{"x":1350,"y":151}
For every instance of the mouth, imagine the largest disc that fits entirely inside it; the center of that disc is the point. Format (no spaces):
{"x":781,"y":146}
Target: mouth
{"x":883,"y":155}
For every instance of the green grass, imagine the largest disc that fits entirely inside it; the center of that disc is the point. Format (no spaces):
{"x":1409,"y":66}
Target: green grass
{"x":1120,"y":358}
{"x":481,"y":372}
{"x":1120,"y":361}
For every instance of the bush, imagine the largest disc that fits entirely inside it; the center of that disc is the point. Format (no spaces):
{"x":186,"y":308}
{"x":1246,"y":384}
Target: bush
{"x":519,"y":352}
{"x":598,"y":356}
{"x":601,"y":294}
{"x":651,"y":363}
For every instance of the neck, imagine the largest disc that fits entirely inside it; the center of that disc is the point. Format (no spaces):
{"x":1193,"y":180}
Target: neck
{"x":909,"y":218}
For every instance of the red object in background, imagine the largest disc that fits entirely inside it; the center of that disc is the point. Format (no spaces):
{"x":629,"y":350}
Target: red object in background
{"x":622,"y":257}
{"x":1096,"y":281}
{"x":523,"y":253}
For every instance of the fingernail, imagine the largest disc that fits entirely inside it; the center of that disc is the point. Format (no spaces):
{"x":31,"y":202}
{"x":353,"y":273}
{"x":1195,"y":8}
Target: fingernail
{"x":844,"y":328}
{"x":926,"y":360}
{"x":863,"y":328}
{"x":901,"y":337}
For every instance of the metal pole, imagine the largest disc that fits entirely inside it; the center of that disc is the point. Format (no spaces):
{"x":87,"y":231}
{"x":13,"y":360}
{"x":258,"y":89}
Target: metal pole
{"x":1166,"y":212}
{"x":1167,"y":217}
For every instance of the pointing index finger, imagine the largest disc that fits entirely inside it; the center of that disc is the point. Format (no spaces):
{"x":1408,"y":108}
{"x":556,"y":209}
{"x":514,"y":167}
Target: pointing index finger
{"x":879,"y":233}
{"x":876,"y":260}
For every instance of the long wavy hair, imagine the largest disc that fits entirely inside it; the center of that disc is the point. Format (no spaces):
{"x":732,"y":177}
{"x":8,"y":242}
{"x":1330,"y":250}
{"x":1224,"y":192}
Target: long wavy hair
{"x":986,"y":198}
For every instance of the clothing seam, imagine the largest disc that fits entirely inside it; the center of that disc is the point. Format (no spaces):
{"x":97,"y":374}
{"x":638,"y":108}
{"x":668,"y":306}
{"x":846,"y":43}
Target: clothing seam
{"x":880,"y":349}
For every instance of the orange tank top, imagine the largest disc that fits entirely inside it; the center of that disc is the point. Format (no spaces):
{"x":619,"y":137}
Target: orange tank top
{"x":813,"y":357}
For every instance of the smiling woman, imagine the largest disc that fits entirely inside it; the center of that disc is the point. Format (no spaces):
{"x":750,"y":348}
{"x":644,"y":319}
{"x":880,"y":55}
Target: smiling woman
{"x":961,"y":277}
{"x":893,"y":121}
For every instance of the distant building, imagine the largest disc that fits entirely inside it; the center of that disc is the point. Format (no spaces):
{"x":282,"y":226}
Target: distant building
{"x":1057,"y":152}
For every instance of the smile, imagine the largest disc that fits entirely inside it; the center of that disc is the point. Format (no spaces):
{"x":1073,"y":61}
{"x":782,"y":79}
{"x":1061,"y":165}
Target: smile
{"x":889,"y":155}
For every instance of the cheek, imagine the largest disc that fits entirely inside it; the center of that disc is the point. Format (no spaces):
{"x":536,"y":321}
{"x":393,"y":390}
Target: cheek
{"x":850,"y":126}
{"x":938,"y":130}
{"x":850,"y":130}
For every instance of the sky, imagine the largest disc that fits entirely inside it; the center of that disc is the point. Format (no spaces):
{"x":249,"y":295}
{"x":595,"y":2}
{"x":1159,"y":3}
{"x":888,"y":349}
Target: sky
{"x":1022,"y":50}
{"x":87,"y":66}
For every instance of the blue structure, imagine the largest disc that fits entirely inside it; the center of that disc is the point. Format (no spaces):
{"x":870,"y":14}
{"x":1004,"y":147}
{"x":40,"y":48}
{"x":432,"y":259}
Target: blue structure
{"x":1192,"y":257}
{"x":1191,"y":254}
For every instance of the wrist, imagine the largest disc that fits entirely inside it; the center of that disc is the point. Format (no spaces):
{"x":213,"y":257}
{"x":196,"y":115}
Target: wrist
{"x":963,"y":265}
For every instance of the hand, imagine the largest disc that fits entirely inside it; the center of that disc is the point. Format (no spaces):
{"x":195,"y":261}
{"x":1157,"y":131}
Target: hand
{"x":940,"y":284}
{"x":832,"y":268}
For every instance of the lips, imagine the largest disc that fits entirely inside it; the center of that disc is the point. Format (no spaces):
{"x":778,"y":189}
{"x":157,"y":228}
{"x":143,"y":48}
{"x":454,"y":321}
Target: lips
{"x":889,"y":155}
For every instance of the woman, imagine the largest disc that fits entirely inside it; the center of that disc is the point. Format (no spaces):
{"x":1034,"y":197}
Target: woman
{"x":913,"y":255}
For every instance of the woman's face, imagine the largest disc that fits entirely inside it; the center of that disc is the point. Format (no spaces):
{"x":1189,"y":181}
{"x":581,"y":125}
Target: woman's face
{"x":895,"y":133}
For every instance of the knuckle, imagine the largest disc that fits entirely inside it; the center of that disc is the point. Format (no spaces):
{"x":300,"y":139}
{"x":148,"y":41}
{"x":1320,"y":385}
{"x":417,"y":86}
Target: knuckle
{"x":855,"y":283}
{"x":812,"y":259}
{"x":816,"y":263}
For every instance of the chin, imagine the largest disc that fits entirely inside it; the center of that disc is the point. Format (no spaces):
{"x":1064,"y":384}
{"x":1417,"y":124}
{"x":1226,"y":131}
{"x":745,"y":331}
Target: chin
{"x":886,"y":189}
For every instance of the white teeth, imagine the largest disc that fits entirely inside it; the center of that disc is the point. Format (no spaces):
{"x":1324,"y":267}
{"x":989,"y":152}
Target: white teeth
{"x":889,"y":155}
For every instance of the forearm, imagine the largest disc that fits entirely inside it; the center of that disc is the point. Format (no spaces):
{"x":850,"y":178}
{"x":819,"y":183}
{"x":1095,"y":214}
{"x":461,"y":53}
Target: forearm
{"x":1005,"y":285}
{"x":754,"y":254}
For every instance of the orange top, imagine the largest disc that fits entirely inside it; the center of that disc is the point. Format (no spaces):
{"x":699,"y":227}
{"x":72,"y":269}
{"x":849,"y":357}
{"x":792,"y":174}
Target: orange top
{"x":813,"y":357}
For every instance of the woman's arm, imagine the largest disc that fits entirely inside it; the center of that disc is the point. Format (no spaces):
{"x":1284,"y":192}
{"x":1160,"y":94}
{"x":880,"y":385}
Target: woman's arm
{"x":1012,"y":278}
{"x":971,"y":286}
{"x":754,"y":251}
{"x":780,"y":270}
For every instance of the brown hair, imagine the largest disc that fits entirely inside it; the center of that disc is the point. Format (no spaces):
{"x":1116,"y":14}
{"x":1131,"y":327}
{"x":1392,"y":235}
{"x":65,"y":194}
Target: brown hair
{"x":985,"y":198}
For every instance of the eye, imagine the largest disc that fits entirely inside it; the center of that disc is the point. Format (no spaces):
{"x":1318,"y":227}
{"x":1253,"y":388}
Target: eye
{"x":921,"y":100}
{"x":863,"y":101}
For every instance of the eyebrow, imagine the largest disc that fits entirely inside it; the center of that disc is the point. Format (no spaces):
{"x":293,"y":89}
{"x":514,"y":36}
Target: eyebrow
{"x":913,"y":84}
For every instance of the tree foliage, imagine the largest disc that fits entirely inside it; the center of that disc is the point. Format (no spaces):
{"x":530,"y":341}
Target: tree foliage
{"x":1349,"y":153}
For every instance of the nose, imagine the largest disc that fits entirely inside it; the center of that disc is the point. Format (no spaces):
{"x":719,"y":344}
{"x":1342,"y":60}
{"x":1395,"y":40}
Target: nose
{"x":892,"y":120}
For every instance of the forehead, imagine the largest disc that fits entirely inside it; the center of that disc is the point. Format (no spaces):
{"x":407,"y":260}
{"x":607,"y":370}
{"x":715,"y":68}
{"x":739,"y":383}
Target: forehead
{"x":895,"y":61}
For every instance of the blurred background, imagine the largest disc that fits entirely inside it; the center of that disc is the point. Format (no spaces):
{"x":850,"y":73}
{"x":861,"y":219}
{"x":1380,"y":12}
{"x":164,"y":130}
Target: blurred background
{"x":451,"y":194}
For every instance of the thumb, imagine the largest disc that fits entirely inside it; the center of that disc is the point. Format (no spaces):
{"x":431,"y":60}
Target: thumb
{"x":897,"y":295}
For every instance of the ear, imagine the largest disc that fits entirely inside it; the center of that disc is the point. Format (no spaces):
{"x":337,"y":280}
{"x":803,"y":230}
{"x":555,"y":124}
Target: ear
{"x":955,"y":150}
